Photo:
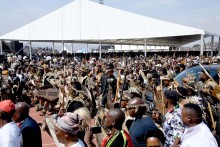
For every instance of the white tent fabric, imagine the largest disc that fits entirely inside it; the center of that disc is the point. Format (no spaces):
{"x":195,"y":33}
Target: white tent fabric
{"x":90,"y":22}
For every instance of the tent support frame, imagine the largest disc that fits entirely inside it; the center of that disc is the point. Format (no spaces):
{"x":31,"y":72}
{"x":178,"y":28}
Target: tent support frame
{"x":30,"y":49}
{"x":212,"y":45}
{"x":1,"y":47}
{"x":201,"y":45}
{"x":145,"y":47}
{"x":219,"y":46}
{"x":53,"y":47}
{"x":100,"y":49}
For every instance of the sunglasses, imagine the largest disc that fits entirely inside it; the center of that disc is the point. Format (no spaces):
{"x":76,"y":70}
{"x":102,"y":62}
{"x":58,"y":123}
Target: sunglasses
{"x":130,"y":107}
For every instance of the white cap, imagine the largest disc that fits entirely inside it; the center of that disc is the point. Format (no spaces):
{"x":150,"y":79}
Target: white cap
{"x":19,"y":57}
{"x":48,"y":58}
{"x":25,"y":57}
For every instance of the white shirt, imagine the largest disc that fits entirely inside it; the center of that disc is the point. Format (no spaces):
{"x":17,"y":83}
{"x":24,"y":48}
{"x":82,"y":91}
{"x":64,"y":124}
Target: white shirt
{"x":198,"y":136}
{"x":10,"y":135}
{"x":78,"y":144}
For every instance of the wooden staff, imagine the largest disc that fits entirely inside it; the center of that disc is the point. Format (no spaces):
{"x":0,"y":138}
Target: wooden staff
{"x":186,"y":65}
{"x":123,"y":87}
{"x":64,"y":70}
{"x":212,"y":118}
{"x":118,"y":84}
{"x":161,"y":86}
{"x":218,"y":69}
{"x":62,"y":106}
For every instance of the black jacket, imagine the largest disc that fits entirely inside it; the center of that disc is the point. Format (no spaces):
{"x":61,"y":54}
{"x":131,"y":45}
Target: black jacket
{"x":104,"y":84}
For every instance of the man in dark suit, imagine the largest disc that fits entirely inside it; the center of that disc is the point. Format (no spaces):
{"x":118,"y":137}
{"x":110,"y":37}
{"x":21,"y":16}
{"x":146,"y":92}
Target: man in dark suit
{"x":108,"y":81}
{"x":31,"y":132}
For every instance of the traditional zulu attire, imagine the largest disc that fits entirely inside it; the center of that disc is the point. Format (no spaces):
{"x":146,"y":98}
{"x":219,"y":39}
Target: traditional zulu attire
{"x":14,"y":83}
{"x":106,"y":84}
{"x":45,"y":81}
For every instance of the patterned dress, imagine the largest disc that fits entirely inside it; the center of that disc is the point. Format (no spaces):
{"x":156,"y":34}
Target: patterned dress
{"x":173,"y":126}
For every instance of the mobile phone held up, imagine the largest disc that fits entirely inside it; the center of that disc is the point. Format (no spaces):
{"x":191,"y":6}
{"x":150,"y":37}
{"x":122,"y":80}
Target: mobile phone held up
{"x":96,"y":130}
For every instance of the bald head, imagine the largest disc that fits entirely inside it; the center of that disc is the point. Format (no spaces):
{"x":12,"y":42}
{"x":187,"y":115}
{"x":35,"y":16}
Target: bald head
{"x":137,"y":107}
{"x":22,"y":107}
{"x":118,"y":115}
{"x":136,"y":101}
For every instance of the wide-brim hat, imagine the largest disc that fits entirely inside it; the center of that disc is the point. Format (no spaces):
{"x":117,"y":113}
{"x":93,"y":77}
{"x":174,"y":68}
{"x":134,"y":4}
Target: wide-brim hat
{"x":182,"y":92}
{"x":110,"y":67}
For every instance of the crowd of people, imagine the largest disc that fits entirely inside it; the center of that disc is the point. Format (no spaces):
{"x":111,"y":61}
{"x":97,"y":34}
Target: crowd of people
{"x":121,"y":101}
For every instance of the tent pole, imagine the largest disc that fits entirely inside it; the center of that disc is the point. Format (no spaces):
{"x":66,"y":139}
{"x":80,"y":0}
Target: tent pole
{"x":145,"y":47}
{"x":62,"y":46}
{"x":53,"y":47}
{"x":201,"y":45}
{"x":100,"y":49}
{"x":212,"y":44}
{"x":219,"y":46}
{"x":72,"y":48}
{"x":1,"y":47}
{"x":30,"y":49}
{"x":87,"y":47}
{"x":129,"y":48}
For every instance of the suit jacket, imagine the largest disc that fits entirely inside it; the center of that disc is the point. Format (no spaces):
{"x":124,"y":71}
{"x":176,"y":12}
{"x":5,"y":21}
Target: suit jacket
{"x":31,"y":133}
{"x":104,"y":84}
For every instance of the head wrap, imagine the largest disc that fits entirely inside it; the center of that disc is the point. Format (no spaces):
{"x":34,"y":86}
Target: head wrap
{"x":69,"y":122}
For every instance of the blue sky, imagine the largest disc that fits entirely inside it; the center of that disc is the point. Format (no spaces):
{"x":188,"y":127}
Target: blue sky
{"x":203,"y":14}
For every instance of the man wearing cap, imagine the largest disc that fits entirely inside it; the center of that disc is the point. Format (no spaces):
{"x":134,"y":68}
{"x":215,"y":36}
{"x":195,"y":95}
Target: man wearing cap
{"x":108,"y":80}
{"x":173,"y":125}
{"x":10,"y":134}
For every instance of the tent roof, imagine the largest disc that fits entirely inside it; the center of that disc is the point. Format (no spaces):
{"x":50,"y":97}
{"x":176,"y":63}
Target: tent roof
{"x":89,"y":22}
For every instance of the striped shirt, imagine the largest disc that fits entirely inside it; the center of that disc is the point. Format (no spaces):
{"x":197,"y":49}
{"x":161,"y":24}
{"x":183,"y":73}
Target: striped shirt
{"x":121,"y":139}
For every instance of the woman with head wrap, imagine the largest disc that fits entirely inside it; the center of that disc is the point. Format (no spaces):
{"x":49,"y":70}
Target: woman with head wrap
{"x":66,"y":129}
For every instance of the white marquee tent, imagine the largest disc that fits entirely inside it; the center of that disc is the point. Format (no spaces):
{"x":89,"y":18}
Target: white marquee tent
{"x":84,"y":21}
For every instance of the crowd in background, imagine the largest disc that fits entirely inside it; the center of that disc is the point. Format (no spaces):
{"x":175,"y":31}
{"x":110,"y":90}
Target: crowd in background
{"x":110,"y":102}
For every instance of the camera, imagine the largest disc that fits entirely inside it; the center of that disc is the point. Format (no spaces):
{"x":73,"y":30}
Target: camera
{"x":96,"y":130}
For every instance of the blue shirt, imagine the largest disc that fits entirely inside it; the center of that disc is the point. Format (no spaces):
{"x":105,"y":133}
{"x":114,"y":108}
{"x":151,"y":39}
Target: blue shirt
{"x":138,"y":130}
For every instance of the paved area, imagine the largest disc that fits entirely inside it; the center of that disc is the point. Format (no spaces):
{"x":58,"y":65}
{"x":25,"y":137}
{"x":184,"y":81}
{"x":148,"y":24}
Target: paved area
{"x":47,"y":140}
